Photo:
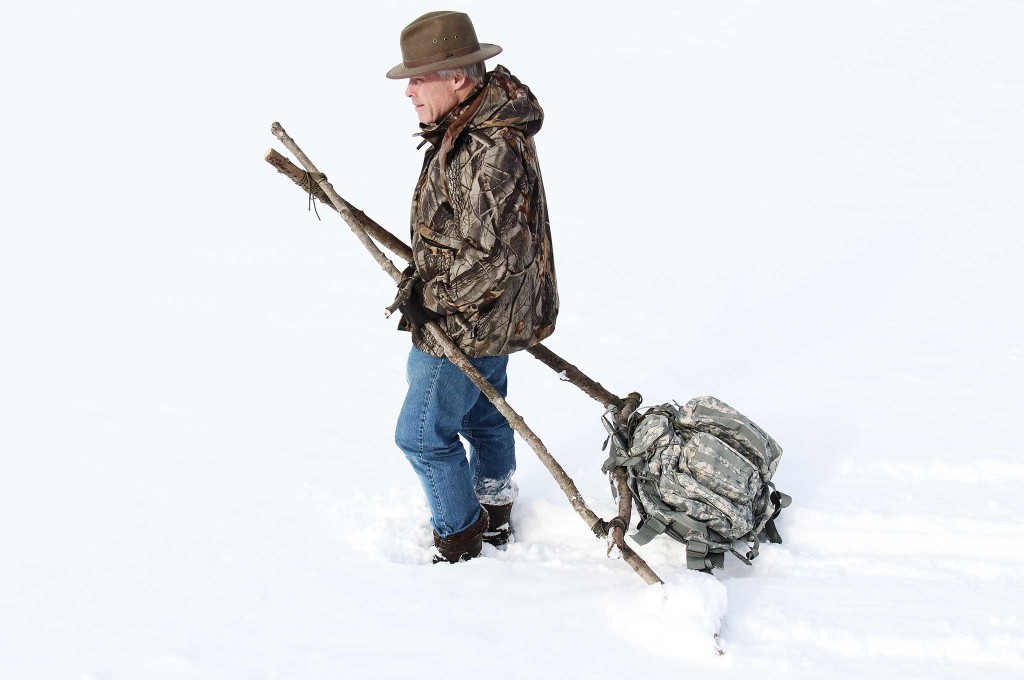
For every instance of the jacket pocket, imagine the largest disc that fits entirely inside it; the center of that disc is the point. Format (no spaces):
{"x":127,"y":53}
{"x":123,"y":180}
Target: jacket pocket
{"x":438,"y":240}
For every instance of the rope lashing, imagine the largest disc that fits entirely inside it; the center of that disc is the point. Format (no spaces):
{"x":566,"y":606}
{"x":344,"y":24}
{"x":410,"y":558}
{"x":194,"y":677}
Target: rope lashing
{"x":602,"y":528}
{"x":309,"y":182}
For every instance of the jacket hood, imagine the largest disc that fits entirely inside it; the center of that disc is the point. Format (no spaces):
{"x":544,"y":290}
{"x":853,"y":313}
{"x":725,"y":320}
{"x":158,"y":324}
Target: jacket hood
{"x":500,"y":101}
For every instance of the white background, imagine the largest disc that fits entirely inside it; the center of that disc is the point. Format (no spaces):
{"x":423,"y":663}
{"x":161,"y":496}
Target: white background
{"x":811,"y":210}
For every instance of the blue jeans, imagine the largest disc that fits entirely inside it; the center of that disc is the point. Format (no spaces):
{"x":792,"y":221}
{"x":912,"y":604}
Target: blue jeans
{"x":441,"y":404}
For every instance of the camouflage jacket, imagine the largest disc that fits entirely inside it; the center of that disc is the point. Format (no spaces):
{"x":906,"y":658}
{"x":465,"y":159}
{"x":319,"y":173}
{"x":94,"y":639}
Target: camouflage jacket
{"x":480,"y":235}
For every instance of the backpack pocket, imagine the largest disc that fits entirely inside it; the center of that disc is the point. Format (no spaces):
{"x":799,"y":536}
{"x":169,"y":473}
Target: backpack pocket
{"x":714,"y":416}
{"x":717,"y":466}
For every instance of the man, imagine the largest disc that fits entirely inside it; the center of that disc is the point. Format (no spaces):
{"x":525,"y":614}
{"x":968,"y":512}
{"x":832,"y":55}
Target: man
{"x":482,"y":255}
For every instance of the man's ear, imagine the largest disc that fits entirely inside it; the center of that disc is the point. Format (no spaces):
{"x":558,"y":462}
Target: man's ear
{"x":459,"y":80}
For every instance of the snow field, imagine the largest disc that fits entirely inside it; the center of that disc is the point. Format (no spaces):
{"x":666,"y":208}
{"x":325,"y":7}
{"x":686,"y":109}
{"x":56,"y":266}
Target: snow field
{"x":811,"y":210}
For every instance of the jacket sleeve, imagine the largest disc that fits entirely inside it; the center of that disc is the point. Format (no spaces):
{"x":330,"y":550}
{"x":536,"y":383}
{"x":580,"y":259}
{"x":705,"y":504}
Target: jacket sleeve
{"x":490,"y":202}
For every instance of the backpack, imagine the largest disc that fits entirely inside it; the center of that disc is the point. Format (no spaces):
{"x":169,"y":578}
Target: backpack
{"x":701,"y":474}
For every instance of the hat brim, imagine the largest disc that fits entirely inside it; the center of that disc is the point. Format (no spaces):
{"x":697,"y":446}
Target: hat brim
{"x":486,"y":51}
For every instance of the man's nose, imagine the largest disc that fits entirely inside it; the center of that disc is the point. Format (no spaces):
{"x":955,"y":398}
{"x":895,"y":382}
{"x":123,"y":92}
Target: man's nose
{"x":408,"y":90}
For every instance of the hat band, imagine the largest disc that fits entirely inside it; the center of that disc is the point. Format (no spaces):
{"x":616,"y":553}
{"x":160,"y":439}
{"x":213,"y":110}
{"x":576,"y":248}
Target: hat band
{"x":437,"y":58}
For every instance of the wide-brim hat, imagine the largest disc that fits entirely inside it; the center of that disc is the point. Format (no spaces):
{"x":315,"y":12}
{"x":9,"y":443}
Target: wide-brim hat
{"x":438,"y":41}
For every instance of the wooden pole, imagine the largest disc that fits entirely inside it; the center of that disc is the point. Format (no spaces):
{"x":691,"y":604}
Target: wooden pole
{"x":302,"y":179}
{"x":617,"y":533}
{"x":455,"y":355}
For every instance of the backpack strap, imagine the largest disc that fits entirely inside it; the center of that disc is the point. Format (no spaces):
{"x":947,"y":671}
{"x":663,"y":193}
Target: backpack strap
{"x":677,"y":526}
{"x":698,"y":554}
{"x":616,"y":460}
{"x":617,"y":445}
{"x":780,"y":501}
{"x":651,"y":527}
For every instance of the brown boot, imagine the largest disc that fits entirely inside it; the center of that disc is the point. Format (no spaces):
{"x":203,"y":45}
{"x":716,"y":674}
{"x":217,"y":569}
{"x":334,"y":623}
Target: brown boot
{"x":464,"y":545}
{"x":499,"y":529}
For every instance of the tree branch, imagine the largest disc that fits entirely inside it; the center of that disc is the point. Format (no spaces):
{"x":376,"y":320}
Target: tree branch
{"x":591,"y":388}
{"x":617,"y":534}
{"x":301,"y":178}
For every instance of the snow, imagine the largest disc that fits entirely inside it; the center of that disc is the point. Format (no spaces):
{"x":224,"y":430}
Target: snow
{"x":811,"y":210}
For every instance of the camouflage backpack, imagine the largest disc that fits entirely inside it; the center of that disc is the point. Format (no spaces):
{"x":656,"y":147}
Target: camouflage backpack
{"x":700,"y":473}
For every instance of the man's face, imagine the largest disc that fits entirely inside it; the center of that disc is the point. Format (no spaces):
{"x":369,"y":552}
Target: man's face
{"x":432,"y":97}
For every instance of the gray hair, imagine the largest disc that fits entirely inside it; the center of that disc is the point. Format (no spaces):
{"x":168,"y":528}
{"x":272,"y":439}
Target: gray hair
{"x":475,"y":72}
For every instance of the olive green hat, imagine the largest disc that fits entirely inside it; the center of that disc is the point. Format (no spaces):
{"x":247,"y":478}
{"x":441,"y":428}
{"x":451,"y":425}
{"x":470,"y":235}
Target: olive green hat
{"x":438,"y":41}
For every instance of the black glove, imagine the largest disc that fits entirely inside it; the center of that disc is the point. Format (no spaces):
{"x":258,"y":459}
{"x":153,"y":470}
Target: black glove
{"x":413,"y":311}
